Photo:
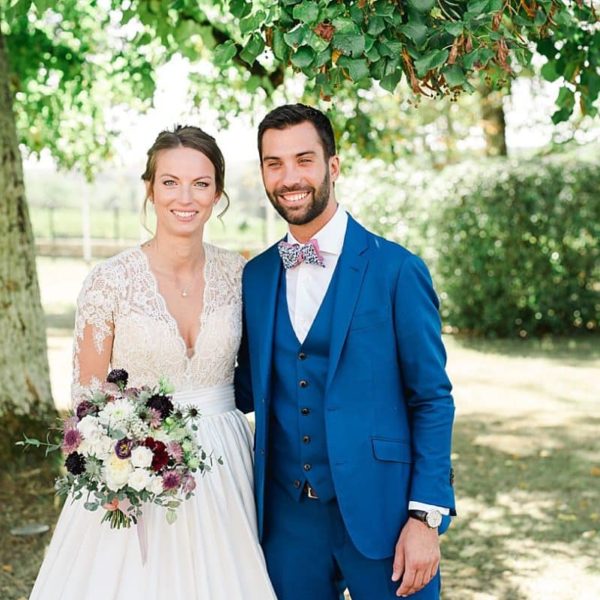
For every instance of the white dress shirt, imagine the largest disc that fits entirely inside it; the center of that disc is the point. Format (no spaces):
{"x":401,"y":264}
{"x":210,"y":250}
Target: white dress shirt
{"x":307,"y":285}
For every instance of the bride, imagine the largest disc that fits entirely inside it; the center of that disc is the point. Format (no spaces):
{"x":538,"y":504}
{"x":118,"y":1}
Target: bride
{"x":172,"y":308}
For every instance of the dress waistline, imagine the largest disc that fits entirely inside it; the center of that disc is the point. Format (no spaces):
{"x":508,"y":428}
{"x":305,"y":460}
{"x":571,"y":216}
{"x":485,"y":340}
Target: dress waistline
{"x":209,"y":401}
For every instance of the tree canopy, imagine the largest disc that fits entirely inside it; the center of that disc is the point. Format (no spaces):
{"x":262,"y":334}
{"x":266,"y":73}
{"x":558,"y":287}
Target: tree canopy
{"x":72,"y":61}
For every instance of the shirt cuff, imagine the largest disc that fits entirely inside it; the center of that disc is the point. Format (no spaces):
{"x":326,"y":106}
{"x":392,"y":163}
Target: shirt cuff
{"x":412,"y":505}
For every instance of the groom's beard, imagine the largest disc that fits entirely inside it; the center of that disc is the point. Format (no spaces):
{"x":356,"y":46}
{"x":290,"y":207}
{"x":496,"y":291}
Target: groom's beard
{"x":314,"y":208}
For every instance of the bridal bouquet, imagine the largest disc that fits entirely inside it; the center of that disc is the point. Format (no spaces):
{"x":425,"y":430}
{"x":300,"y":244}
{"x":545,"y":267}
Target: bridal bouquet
{"x":126,"y":446}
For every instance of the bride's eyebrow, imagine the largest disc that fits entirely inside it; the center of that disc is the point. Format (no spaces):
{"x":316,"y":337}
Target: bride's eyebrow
{"x":176,"y":177}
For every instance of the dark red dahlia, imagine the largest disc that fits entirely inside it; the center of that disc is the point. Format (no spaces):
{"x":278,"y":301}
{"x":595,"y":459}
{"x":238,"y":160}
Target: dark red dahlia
{"x":160,"y":403}
{"x":75,"y":463}
{"x":85,"y":408}
{"x":119,"y":377}
{"x":161,"y":456}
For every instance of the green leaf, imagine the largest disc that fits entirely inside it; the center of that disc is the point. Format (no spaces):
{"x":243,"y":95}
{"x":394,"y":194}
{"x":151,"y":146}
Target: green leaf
{"x":307,"y":12}
{"x":422,"y":5}
{"x":540,"y":17}
{"x":252,"y":49}
{"x":549,"y":72}
{"x":454,"y":29}
{"x":349,"y":43}
{"x":390,"y":82}
{"x":431,"y":60}
{"x":416,"y":32}
{"x":383,"y":8}
{"x":477,"y":7}
{"x":251,"y":23}
{"x":280,"y":48}
{"x":376,"y":25}
{"x":297,"y":36}
{"x":566,"y":98}
{"x":303,"y":57}
{"x":454,"y":76}
{"x":357,"y":68}
{"x":240,"y":8}
{"x":345,"y":25}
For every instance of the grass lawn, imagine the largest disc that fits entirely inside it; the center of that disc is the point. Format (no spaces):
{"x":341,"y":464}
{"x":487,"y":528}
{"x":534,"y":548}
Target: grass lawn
{"x":526,"y":456}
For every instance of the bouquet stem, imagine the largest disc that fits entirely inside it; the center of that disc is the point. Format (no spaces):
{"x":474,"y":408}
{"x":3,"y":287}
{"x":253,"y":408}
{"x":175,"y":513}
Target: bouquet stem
{"x":118,"y":519}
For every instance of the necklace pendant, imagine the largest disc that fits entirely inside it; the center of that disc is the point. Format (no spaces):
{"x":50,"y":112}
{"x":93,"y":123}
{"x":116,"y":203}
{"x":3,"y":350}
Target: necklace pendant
{"x":184,"y":293}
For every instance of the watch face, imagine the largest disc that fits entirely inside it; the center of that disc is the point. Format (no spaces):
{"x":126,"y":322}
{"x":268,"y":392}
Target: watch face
{"x":434,"y":518}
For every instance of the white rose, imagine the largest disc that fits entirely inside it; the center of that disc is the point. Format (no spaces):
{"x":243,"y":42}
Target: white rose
{"x":141,"y":457}
{"x":156,"y":486}
{"x":102,"y":446}
{"x":89,"y":427}
{"x":117,"y":471}
{"x":139,"y":479}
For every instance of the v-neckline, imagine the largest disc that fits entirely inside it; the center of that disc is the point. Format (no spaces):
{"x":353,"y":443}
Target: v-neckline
{"x":165,"y":306}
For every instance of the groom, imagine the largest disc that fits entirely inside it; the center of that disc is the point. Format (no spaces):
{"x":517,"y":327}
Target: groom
{"x":343,"y":362}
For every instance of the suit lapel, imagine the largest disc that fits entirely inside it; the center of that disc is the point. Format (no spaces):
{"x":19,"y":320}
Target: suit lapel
{"x":351,"y":269}
{"x":265,"y":299}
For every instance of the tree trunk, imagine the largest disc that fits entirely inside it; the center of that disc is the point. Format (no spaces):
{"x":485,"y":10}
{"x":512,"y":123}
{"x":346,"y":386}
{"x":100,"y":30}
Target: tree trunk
{"x":25,"y":396}
{"x":494,"y":124}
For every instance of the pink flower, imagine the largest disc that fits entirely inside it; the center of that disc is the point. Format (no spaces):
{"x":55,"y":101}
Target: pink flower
{"x":175,"y":451}
{"x":71,"y":440}
{"x":155,"y":418}
{"x":189,"y":484}
{"x":171,"y":480}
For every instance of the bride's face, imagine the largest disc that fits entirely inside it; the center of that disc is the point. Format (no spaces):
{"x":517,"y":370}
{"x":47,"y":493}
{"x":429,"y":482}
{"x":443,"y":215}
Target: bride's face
{"x":184,"y":191}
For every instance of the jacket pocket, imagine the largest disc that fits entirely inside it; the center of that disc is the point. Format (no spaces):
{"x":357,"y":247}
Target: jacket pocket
{"x":368,"y":319}
{"x":392,"y":450}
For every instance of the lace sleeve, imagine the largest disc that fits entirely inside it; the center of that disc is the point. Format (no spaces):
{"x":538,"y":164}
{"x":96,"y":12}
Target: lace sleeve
{"x":93,"y":335}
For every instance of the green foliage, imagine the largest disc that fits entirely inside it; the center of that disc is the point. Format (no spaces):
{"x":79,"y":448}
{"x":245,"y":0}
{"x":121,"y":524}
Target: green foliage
{"x":518,"y":248}
{"x":73,"y":61}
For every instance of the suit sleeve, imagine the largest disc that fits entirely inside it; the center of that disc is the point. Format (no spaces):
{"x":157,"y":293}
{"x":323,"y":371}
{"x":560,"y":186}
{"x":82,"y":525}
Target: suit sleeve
{"x":422,"y":360}
{"x":242,"y":381}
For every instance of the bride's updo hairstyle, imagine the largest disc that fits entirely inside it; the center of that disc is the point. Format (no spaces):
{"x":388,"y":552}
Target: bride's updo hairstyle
{"x":187,"y":136}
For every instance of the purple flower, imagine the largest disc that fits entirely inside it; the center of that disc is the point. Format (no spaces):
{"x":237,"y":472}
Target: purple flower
{"x":71,"y":440}
{"x":85,"y":408}
{"x":75,"y":463}
{"x":123,"y":448}
{"x":171,"y":480}
{"x":118,"y":376}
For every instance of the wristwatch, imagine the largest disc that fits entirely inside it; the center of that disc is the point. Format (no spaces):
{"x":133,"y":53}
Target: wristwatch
{"x":431,"y":518}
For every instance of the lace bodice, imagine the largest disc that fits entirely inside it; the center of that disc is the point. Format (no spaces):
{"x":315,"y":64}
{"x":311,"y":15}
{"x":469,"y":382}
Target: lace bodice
{"x":120,"y":297}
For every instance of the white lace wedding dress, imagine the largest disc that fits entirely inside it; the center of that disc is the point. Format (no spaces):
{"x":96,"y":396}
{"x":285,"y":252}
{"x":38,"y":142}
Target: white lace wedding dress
{"x":211,"y":552}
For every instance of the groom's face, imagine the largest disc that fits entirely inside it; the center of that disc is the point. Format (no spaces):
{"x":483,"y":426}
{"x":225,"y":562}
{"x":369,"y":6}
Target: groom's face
{"x":298,"y":178}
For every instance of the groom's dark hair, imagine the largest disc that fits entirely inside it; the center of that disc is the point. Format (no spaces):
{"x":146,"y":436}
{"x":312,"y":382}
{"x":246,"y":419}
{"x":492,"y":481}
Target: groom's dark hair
{"x":287,"y":115}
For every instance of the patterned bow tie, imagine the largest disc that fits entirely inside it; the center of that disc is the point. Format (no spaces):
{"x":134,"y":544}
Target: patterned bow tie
{"x":294,"y":254}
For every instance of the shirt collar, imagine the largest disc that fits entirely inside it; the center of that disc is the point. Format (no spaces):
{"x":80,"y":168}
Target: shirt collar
{"x":331,"y":236}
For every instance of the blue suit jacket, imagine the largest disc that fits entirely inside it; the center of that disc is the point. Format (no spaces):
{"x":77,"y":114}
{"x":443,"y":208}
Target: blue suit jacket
{"x":388,"y":407}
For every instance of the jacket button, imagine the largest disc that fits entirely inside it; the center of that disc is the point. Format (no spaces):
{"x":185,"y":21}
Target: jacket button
{"x":297,"y":483}
{"x":307,"y":467}
{"x":302,"y":356}
{"x":306,"y":439}
{"x":305,"y":411}
{"x":303,"y":383}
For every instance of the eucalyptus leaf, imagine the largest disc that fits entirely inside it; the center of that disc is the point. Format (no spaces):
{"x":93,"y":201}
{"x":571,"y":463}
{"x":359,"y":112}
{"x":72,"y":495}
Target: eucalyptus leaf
{"x":307,"y":12}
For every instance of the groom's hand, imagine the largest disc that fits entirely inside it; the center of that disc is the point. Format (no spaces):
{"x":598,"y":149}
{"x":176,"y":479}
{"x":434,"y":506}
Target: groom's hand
{"x":417,"y":557}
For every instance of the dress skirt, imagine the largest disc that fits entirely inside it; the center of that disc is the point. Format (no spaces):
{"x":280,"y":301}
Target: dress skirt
{"x":211,"y":552}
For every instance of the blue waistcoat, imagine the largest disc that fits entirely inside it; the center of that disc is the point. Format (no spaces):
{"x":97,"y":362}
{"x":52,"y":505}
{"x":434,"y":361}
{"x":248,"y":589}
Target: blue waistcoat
{"x":298,"y":444}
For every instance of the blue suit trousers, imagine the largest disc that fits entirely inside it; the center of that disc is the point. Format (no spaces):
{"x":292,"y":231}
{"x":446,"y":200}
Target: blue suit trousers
{"x":310,"y":555}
